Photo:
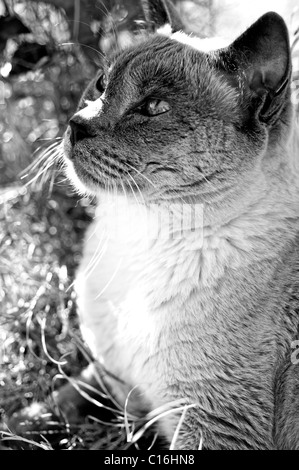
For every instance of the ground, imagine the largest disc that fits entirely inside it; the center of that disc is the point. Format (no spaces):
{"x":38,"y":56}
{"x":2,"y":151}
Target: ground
{"x":40,"y":245}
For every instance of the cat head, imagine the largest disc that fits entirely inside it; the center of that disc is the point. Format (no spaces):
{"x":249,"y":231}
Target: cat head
{"x":174,"y":122}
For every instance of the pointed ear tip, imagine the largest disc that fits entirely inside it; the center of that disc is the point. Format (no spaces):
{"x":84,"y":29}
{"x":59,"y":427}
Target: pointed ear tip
{"x":275,"y":25}
{"x":273,"y":18}
{"x":273,"y":15}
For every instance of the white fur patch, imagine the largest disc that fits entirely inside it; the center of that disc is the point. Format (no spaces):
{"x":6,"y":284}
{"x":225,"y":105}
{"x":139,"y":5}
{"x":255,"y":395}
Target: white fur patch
{"x":204,"y":45}
{"x":92,"y":108}
{"x":74,"y":179}
{"x":165,"y":30}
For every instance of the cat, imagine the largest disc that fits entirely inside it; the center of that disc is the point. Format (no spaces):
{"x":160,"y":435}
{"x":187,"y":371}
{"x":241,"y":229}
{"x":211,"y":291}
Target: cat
{"x":200,"y":321}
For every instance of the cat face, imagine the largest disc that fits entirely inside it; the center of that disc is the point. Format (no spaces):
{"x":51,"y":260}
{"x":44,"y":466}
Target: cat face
{"x":173,"y":122}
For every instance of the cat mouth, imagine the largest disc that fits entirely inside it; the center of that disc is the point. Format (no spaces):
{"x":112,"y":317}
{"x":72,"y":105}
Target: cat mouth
{"x":94,"y":175}
{"x":92,"y":179}
{"x":105,"y":177}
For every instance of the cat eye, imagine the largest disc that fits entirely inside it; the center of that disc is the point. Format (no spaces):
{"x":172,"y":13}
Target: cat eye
{"x":101,"y":83}
{"x":154,"y":107}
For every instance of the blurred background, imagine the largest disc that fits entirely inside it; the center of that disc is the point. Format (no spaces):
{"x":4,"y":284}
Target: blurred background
{"x":49,"y":50}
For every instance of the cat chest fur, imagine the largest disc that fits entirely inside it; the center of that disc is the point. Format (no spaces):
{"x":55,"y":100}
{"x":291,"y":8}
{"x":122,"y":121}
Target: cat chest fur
{"x":140,"y":301}
{"x":133,"y":280}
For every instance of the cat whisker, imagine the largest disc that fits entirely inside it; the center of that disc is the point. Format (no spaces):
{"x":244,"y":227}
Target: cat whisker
{"x":107,"y":186}
{"x":47,"y":145}
{"x":141,"y":174}
{"x":40,"y":173}
{"x":92,"y":263}
{"x":133,"y":192}
{"x":209,"y":182}
{"x":47,"y":139}
{"x":46,"y":163}
{"x":102,"y":56}
{"x":111,"y":279}
{"x":96,"y":258}
{"x":45,"y":177}
{"x":105,"y":11}
{"x":123,"y":187}
{"x":149,"y":181}
{"x":100,"y":252}
{"x":138,"y":189}
{"x":44,"y":155}
{"x":64,"y":180}
{"x":51,"y":184}
{"x":47,"y":160}
{"x":42,"y":181}
{"x":114,"y":188}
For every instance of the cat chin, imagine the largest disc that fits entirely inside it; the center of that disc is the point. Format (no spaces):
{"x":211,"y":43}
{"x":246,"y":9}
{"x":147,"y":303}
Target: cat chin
{"x":75,"y":181}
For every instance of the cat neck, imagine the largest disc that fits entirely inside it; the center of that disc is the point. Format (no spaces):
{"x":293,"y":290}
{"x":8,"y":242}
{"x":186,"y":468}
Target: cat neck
{"x":257,"y":231}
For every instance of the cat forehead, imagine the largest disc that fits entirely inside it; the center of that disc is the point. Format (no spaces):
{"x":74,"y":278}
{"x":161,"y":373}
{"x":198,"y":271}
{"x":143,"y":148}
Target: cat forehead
{"x":170,"y":48}
{"x":157,"y":52}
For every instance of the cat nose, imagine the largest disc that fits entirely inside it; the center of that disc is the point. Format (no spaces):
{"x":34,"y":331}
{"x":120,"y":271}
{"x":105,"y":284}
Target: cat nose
{"x":79,"y":131}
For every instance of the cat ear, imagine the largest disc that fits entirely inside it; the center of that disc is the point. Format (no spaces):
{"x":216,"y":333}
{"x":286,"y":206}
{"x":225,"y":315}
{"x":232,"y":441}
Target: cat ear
{"x":159,"y":13}
{"x":262,"y":57}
